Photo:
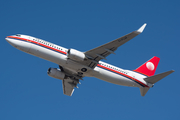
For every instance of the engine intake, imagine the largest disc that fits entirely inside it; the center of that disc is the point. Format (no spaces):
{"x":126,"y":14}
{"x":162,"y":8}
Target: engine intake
{"x":56,"y":73}
{"x":76,"y":55}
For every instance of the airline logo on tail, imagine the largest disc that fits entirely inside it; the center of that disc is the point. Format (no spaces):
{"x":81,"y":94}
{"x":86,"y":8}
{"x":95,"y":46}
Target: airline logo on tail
{"x":149,"y":67}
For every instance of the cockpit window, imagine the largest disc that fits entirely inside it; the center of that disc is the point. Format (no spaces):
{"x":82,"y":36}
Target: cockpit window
{"x":18,"y":35}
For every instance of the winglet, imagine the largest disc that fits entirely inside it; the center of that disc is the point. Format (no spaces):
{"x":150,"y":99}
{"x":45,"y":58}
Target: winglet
{"x":140,"y":30}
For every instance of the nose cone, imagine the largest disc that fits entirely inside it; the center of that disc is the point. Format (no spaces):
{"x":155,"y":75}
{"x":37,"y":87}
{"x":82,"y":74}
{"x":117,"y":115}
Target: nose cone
{"x":17,"y":43}
{"x":11,"y":42}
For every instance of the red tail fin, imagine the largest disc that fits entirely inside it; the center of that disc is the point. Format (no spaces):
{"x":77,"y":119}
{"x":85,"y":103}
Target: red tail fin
{"x":149,"y":67}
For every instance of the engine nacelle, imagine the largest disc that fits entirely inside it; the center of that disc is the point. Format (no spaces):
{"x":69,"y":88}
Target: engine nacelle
{"x":56,"y":73}
{"x":76,"y":55}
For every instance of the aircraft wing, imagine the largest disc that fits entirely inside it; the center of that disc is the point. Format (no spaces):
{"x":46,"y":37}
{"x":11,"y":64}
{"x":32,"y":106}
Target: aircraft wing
{"x":69,"y":82}
{"x":103,"y":51}
{"x":68,"y":87}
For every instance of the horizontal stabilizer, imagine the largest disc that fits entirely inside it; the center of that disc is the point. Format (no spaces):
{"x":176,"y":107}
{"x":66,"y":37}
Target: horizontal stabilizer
{"x":143,"y":90}
{"x":156,"y":78}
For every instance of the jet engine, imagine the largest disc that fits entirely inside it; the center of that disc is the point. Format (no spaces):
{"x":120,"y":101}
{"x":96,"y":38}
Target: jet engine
{"x":76,"y":55}
{"x":56,"y":73}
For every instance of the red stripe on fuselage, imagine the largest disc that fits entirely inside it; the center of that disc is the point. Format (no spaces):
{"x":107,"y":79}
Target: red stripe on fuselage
{"x":14,"y":37}
{"x":123,"y":75}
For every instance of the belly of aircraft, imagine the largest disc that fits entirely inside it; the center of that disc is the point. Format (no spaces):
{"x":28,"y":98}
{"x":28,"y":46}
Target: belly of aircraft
{"x":115,"y":78}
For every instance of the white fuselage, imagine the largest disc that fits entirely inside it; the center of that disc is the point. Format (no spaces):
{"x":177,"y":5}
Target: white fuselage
{"x":57,"y":54}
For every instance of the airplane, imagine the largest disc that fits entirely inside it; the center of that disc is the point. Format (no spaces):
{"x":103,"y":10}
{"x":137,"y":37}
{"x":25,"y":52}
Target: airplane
{"x":74,"y":65}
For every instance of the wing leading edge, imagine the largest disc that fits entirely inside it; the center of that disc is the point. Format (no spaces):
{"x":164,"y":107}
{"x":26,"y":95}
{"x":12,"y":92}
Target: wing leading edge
{"x":103,"y":51}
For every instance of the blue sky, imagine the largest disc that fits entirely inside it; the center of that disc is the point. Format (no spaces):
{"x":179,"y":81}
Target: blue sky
{"x":27,"y":92}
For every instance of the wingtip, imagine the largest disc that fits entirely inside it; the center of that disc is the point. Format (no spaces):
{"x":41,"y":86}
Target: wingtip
{"x":140,"y":30}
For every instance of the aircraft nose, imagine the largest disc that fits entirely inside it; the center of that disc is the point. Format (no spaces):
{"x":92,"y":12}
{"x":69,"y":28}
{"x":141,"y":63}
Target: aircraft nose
{"x":19,"y":44}
{"x":7,"y":39}
{"x":11,"y":41}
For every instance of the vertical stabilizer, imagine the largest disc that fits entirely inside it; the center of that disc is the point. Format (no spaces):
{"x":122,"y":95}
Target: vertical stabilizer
{"x":149,"y":67}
